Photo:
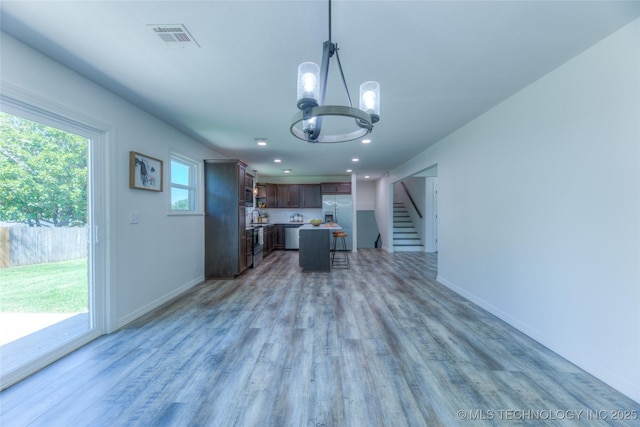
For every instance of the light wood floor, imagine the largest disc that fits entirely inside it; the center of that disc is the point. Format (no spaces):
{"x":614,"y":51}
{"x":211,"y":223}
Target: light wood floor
{"x":379,"y":344}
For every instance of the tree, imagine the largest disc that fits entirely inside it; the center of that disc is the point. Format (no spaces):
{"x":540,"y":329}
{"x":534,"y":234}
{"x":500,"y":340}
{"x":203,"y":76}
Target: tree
{"x":43,"y":174}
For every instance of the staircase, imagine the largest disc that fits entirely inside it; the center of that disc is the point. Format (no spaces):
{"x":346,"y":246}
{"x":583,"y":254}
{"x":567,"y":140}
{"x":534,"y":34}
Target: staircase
{"x":405,"y":236}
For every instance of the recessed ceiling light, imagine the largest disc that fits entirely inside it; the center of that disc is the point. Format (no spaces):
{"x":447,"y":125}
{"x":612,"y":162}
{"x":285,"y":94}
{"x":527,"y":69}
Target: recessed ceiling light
{"x":261,"y":141}
{"x":349,"y":170}
{"x":366,"y":141}
{"x":286,"y":170}
{"x":355,"y":159}
{"x":277,"y":160}
{"x":366,"y":177}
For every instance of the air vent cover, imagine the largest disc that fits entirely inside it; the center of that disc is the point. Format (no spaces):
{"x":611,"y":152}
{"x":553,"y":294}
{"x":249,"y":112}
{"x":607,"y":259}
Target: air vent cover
{"x":175,"y":35}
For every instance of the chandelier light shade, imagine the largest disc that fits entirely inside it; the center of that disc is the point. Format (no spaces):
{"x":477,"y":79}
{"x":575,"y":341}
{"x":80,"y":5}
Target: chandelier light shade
{"x":307,"y":124}
{"x":370,"y":99}
{"x":308,"y":85}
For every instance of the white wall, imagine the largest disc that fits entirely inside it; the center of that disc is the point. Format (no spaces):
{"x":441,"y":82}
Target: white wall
{"x":431,"y":215}
{"x":539,"y":207}
{"x":366,"y":196}
{"x":151,"y":261}
{"x":383,"y":212}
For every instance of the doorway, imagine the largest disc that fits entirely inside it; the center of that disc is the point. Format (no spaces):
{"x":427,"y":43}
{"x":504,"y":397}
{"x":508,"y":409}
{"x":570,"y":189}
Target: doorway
{"x":430,"y":197}
{"x":50,"y":259}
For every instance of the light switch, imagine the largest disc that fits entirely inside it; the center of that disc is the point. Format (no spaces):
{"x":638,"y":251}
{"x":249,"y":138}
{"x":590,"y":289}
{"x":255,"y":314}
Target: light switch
{"x":134,"y":218}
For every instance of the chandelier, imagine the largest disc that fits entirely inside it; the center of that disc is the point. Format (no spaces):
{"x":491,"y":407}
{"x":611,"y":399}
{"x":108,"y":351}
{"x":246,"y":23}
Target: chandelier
{"x":307,"y":124}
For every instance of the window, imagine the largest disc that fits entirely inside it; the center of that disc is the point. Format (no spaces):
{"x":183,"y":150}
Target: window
{"x":183,"y":184}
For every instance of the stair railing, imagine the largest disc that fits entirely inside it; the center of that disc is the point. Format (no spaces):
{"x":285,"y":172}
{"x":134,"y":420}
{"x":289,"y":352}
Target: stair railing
{"x":411,"y":199}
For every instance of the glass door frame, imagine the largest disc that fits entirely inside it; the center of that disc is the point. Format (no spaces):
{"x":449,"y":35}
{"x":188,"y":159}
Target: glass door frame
{"x":27,"y":106}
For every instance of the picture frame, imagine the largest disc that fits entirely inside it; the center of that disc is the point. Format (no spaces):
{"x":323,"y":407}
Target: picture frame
{"x":145,"y":172}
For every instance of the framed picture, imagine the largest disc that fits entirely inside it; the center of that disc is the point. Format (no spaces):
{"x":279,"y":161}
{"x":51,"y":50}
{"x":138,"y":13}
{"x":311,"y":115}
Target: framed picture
{"x":145,"y":173}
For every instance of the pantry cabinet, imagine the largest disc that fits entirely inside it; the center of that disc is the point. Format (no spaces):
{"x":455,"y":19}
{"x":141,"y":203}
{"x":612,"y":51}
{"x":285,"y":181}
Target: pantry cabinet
{"x":225,"y":244}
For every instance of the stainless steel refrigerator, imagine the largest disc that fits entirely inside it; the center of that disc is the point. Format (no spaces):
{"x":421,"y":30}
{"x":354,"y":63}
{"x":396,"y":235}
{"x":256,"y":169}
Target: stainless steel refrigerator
{"x":341,"y":207}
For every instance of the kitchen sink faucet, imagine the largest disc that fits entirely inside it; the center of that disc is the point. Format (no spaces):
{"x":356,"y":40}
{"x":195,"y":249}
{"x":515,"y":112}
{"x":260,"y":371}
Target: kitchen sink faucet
{"x":252,"y":212}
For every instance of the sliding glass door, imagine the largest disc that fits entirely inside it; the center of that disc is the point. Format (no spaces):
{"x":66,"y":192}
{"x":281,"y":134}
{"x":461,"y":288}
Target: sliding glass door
{"x":49,"y":283}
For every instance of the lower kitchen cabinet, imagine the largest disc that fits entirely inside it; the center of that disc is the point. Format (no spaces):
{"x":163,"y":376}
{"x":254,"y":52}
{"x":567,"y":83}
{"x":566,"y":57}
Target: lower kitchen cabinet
{"x":248,"y":250}
{"x":278,"y":236}
{"x":268,"y":238}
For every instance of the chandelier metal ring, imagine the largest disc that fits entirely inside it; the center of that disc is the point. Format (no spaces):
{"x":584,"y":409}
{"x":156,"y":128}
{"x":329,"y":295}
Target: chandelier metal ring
{"x":363,"y":119}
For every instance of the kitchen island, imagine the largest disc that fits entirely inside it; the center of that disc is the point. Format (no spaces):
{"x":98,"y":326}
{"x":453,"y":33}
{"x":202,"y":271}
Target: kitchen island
{"x":315,"y":247}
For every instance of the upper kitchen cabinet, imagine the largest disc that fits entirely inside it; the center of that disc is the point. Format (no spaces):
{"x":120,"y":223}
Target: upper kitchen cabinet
{"x":288,"y":196}
{"x":248,"y":187}
{"x":224,"y":223}
{"x":336,"y":188}
{"x":311,"y":196}
{"x":267,"y":195}
{"x":272,"y":195}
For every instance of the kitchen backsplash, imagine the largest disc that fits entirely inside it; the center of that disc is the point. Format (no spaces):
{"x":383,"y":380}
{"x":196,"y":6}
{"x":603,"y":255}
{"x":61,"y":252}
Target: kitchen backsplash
{"x":283,"y":216}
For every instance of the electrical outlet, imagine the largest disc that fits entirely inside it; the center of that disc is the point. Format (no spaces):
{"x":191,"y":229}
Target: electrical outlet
{"x":134,"y":218}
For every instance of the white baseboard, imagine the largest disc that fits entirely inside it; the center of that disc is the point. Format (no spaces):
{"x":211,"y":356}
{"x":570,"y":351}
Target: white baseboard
{"x":623,"y":385}
{"x":123,"y":321}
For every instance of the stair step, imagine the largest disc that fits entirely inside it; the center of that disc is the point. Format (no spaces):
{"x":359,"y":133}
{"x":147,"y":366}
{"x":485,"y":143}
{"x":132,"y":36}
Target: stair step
{"x":408,"y":248}
{"x":406,"y":241}
{"x":405,"y":235}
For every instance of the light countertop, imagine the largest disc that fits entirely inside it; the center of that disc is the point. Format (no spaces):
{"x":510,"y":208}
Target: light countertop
{"x":321,"y":227}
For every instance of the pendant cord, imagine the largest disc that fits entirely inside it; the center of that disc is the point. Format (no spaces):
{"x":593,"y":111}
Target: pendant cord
{"x":329,"y":21}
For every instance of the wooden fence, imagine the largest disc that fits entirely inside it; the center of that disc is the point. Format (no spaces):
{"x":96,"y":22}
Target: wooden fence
{"x":37,"y":245}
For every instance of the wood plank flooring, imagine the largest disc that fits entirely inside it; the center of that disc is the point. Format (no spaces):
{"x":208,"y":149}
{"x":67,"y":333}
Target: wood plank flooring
{"x":380,"y":344}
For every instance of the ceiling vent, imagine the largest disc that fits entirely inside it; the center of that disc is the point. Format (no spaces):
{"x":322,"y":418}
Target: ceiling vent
{"x":175,"y":35}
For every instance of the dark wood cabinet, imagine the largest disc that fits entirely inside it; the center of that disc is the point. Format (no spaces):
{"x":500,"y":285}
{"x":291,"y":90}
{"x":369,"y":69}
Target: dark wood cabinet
{"x":297,"y":195}
{"x":248,"y":180}
{"x":271,"y":195}
{"x":247,"y":246}
{"x":248,"y":189}
{"x":242,"y":175}
{"x":261,"y":196}
{"x":225,"y":235}
{"x":268,"y":238}
{"x":278,"y":236}
{"x":311,"y":196}
{"x":336,"y":188}
{"x":288,"y":196}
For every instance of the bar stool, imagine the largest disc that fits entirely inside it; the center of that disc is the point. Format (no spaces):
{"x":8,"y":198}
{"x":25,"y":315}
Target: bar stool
{"x":342,"y":261}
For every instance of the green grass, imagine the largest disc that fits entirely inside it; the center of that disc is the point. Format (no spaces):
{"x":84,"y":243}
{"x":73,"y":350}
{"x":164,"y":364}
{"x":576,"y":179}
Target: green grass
{"x":56,"y":287}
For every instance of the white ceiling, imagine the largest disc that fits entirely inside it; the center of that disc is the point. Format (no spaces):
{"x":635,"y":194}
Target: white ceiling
{"x":439,"y":63}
